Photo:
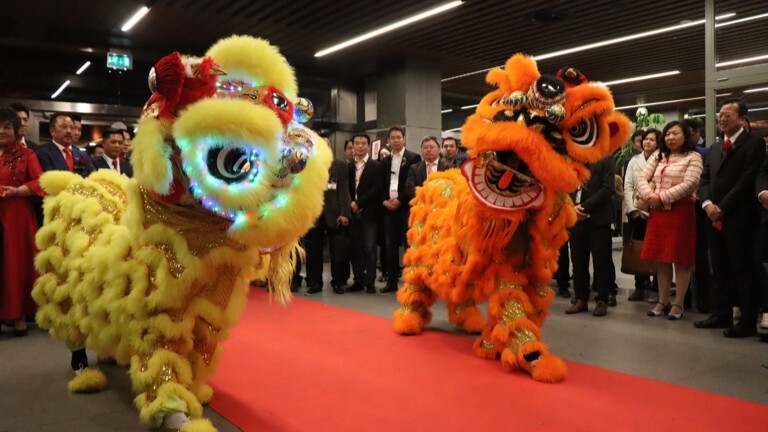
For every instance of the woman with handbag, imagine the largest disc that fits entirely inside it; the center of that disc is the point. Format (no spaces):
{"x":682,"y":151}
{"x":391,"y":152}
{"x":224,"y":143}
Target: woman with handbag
{"x":637,"y":218}
{"x":670,"y":237}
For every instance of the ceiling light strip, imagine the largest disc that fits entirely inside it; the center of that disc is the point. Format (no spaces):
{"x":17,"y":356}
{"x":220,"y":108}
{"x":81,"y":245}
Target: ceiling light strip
{"x":666,"y":102}
{"x":754,"y":17}
{"x":389,"y":28}
{"x":61,"y":89}
{"x":134,"y":19}
{"x":598,"y":44}
{"x":83,"y":68}
{"x":756,"y":90}
{"x":641,"y":78}
{"x":744,"y":60}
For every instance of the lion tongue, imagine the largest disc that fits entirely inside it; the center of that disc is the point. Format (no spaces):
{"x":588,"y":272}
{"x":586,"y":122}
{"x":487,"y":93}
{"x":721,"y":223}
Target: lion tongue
{"x":506,"y":179}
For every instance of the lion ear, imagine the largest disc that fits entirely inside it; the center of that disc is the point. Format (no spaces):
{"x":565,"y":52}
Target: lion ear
{"x":620,"y":129}
{"x":151,"y":157}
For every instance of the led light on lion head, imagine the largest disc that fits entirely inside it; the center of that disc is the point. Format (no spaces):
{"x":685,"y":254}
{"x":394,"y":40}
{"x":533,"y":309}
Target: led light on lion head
{"x":535,"y":132}
{"x":245,"y":165}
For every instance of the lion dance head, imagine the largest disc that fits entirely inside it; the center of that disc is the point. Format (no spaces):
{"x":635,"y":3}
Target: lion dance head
{"x":226,"y":132}
{"x":531,"y":136}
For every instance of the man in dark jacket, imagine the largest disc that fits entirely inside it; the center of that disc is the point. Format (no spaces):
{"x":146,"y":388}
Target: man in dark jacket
{"x":592,"y":235}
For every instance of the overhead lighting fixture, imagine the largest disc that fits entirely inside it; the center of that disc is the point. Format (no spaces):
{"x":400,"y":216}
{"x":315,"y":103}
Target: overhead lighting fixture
{"x":756,"y":90}
{"x":446,"y":111}
{"x":744,"y":60}
{"x":83,"y":68}
{"x":750,"y":110}
{"x":134,"y":19}
{"x":753,"y":17}
{"x":469,"y":106}
{"x":389,"y":28}
{"x":598,"y":44}
{"x":641,"y":78}
{"x":667,"y":102}
{"x":61,"y":89}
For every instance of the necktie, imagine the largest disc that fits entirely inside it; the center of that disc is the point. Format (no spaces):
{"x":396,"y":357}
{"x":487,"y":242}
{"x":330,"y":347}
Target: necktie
{"x":114,"y":164}
{"x":432,"y":167}
{"x":70,"y":160}
{"x":726,"y":147}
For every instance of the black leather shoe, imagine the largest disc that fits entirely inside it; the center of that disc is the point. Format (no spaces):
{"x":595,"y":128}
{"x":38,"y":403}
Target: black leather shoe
{"x":357,"y":286}
{"x":389,"y":288}
{"x":315,"y":288}
{"x":338,"y":289}
{"x":739,"y":331}
{"x":563,"y":292}
{"x":370,"y":289}
{"x":611,"y":300}
{"x":714,"y":321}
{"x":637,"y":295}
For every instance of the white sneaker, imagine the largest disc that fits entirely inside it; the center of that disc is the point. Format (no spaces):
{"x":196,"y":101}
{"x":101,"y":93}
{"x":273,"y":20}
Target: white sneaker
{"x":764,"y":321}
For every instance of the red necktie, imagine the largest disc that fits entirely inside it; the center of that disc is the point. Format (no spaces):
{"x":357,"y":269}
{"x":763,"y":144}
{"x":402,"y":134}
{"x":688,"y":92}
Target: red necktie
{"x":726,"y":147}
{"x":70,"y":160}
{"x":114,"y":164}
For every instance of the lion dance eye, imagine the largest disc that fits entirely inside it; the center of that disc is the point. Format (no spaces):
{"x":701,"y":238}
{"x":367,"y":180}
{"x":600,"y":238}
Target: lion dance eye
{"x":279,"y":101}
{"x":584,"y":134}
{"x":232,"y":164}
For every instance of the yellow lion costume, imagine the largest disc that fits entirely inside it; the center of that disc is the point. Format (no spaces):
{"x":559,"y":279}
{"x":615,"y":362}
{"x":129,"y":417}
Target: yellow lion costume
{"x":154,"y":271}
{"x":493,"y":234}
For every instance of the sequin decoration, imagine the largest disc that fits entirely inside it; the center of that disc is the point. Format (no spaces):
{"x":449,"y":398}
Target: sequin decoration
{"x":512,"y":310}
{"x":107,"y":205}
{"x":202,"y":230}
{"x":174,"y":266}
{"x":486,"y":345}
{"x":504,"y":284}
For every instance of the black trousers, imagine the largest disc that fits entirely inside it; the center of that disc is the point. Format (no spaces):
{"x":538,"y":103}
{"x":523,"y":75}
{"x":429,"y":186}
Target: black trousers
{"x":314,"y":242}
{"x":395,"y":228}
{"x":735,"y":270}
{"x":363,"y":233}
{"x":589,"y":239}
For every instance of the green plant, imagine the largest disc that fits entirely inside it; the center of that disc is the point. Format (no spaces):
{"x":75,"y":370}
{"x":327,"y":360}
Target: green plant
{"x":644,"y":121}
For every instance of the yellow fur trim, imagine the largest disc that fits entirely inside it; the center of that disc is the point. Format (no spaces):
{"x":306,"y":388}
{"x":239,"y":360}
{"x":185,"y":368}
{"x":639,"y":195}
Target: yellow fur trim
{"x":150,"y":158}
{"x":87,"y":381}
{"x":254,"y":60}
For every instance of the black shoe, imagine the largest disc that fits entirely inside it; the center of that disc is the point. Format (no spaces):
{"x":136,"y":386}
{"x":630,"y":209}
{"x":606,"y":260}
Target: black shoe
{"x":739,"y":331}
{"x":357,"y":286}
{"x":390,"y":288}
{"x":19,"y":333}
{"x":295,"y":288}
{"x":370,"y":289}
{"x":338,"y":289}
{"x":563,"y":292}
{"x":315,"y":288}
{"x":611,"y":300}
{"x":382,"y":278}
{"x":637,"y":295}
{"x":715,"y":321}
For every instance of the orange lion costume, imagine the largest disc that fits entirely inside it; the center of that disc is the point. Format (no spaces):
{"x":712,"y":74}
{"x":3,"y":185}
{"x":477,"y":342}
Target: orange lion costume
{"x":492,"y":230}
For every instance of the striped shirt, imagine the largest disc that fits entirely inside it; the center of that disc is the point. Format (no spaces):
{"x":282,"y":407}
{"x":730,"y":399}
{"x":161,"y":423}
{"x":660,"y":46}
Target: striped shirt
{"x":676,"y":178}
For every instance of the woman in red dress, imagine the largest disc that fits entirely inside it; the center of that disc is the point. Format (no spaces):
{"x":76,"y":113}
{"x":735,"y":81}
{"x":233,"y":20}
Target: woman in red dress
{"x":19,"y":171}
{"x":670,"y":238}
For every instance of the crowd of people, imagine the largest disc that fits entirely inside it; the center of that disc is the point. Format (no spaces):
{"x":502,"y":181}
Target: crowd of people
{"x":22,"y":162}
{"x":702,"y":215}
{"x":365,"y":217}
{"x":704,"y":208}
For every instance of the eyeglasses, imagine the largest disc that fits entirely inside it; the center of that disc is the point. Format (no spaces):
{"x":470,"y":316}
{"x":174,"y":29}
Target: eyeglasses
{"x":725,"y":116}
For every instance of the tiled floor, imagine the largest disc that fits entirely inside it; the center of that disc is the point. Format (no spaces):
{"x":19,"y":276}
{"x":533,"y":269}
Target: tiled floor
{"x":35,"y":369}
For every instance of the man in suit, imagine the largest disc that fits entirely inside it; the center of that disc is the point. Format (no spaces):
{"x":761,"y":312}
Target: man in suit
{"x":396,"y":208}
{"x":762,"y":198}
{"x":61,"y":155}
{"x":23,"y":114}
{"x":451,"y":155}
{"x":334,"y":221}
{"x":110,"y":159}
{"x":417,"y":174}
{"x":726,"y":191}
{"x":365,"y":179}
{"x":592,"y":235}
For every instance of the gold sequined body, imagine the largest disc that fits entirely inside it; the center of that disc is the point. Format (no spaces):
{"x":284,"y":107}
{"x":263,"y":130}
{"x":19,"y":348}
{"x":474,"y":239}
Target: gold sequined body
{"x":145,"y":282}
{"x":465,"y":255}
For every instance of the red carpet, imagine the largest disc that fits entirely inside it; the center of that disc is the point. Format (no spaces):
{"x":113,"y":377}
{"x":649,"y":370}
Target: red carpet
{"x":313,"y":367}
